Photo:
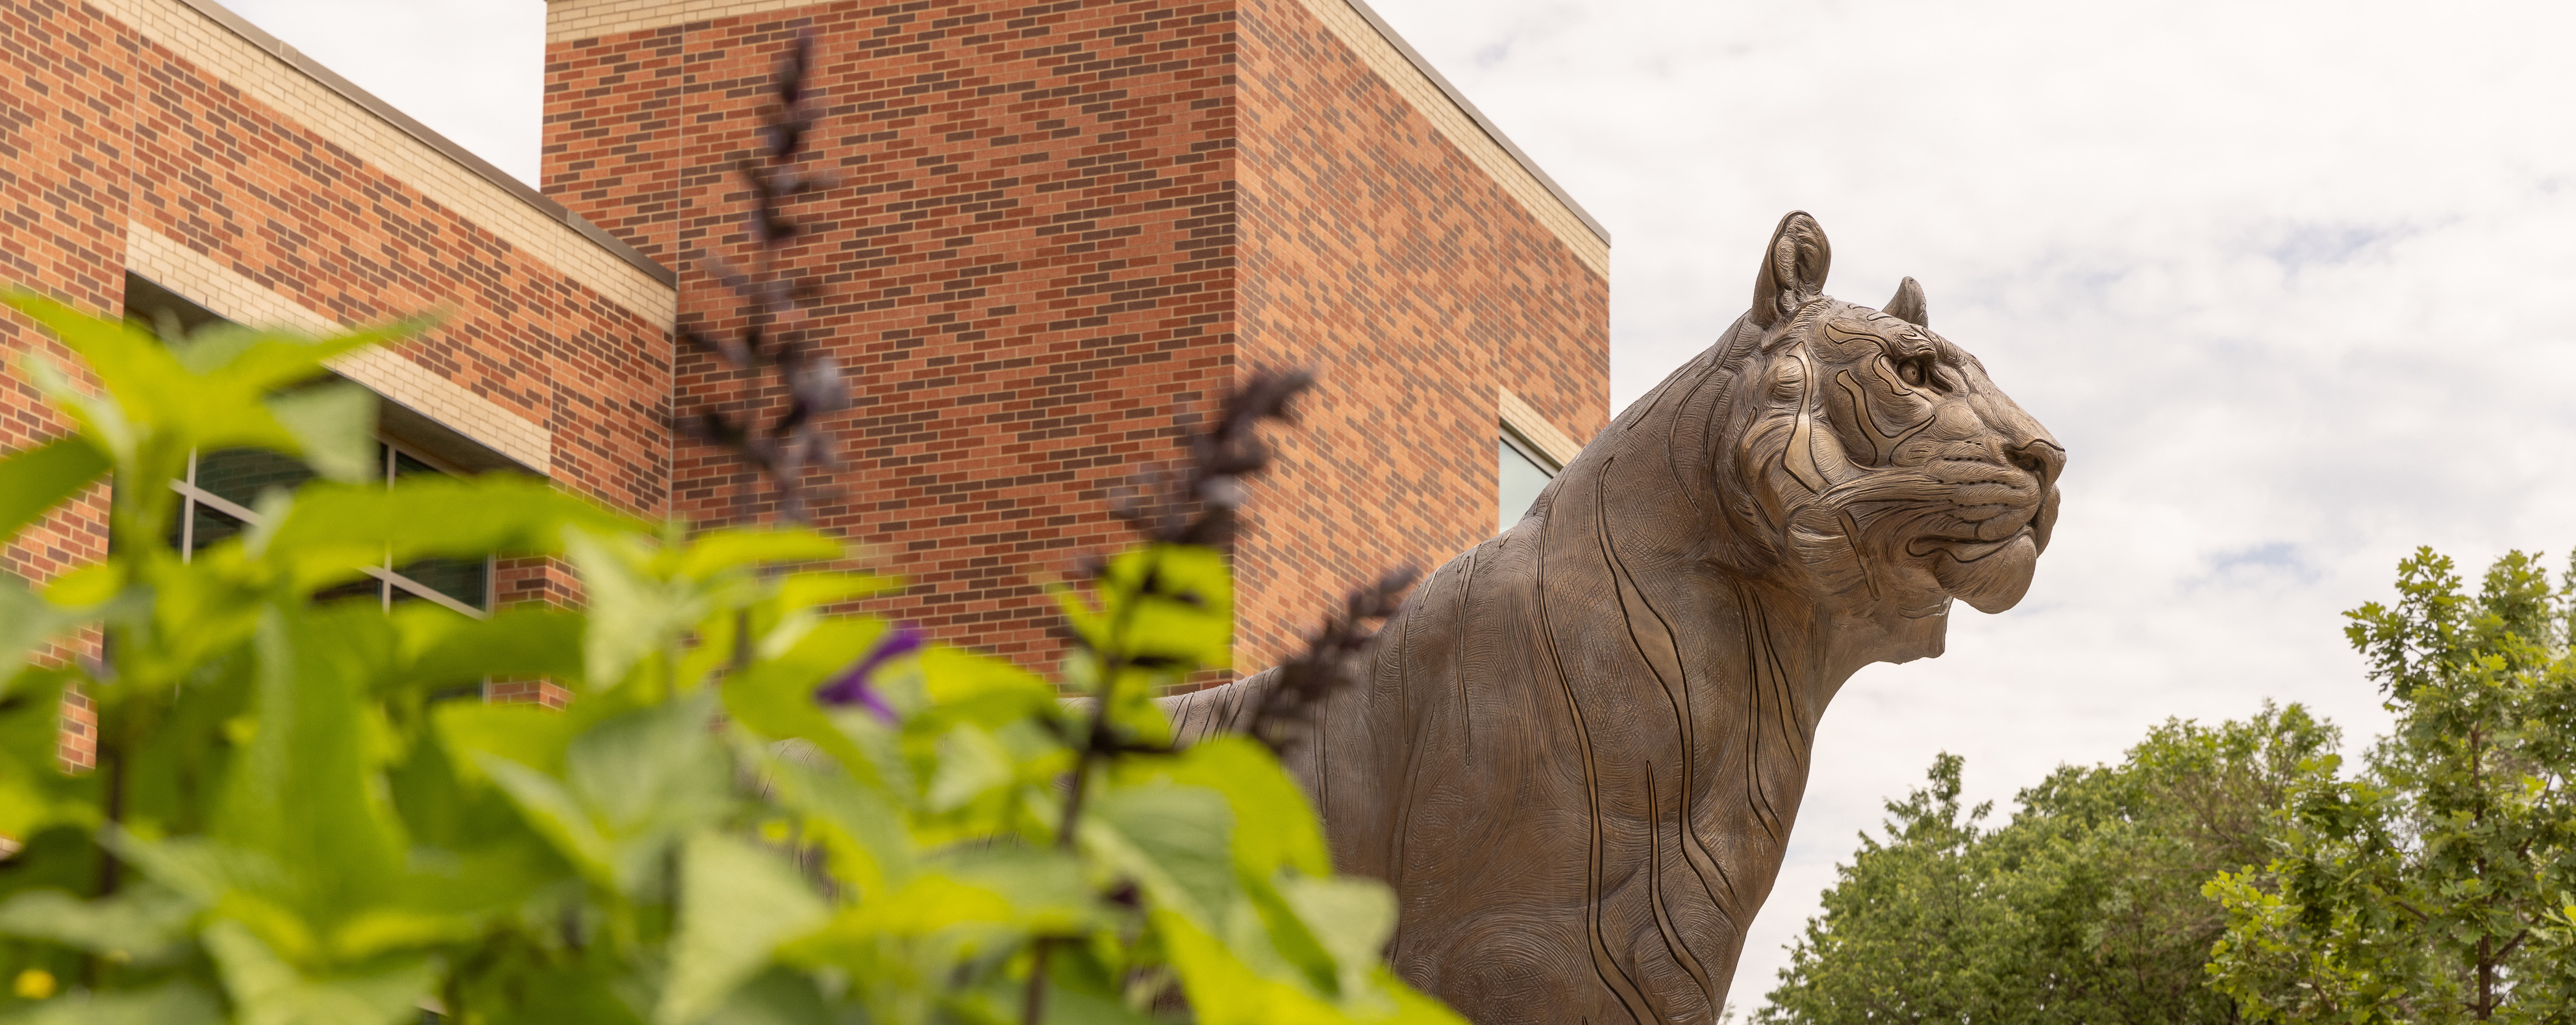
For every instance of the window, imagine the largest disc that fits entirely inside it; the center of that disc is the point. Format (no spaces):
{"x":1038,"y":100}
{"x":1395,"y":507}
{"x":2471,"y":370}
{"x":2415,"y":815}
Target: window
{"x":1524,"y":472}
{"x":216,"y":500}
{"x":220,"y":490}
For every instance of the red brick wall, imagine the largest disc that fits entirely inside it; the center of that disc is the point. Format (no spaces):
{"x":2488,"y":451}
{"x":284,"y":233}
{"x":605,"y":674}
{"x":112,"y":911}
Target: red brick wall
{"x":318,"y":225}
{"x":1029,"y":271}
{"x":1037,"y":272}
{"x":62,"y":228}
{"x":101,"y":126}
{"x":1376,"y":253}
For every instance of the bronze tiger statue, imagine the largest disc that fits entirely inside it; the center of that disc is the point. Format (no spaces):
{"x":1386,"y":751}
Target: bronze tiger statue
{"x":1577,"y":751}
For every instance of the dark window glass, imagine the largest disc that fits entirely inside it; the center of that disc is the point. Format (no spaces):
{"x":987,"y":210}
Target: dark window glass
{"x":238,"y":475}
{"x":461,"y":579}
{"x":368,"y":588}
{"x":405,"y":466}
{"x":1521,"y":479}
{"x":210,"y":526}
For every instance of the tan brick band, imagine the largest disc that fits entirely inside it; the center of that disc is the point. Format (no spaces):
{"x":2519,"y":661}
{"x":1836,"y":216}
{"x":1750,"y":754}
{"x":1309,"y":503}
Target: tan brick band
{"x":187,"y":28}
{"x":587,"y":19}
{"x":1526,"y":421}
{"x":227,"y":293}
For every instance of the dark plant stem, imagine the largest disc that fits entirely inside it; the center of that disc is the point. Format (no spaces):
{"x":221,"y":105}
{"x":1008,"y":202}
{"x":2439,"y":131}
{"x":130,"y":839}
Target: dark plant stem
{"x":741,"y":642}
{"x":111,"y":759}
{"x":1033,"y":1002}
{"x":1199,"y":511}
{"x":1096,"y":743}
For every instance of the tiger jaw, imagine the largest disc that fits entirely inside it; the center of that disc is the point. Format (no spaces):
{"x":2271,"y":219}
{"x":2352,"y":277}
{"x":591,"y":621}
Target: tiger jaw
{"x":1989,"y":575}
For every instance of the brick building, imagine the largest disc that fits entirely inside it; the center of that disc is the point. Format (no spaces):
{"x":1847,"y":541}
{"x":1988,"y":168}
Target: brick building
{"x":1062,"y":231}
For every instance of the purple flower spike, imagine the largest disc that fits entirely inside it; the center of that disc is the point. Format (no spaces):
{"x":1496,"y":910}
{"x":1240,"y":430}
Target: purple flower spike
{"x":851,"y":687}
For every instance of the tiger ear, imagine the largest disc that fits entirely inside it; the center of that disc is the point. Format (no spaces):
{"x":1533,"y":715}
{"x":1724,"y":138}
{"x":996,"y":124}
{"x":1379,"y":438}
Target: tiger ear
{"x":1908,"y":305}
{"x":1793,"y":270}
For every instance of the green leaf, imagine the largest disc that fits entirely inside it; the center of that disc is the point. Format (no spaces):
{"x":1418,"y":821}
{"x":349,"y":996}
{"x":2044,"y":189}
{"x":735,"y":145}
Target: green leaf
{"x":1178,"y":602}
{"x":271,"y":992}
{"x":971,"y":763}
{"x":1029,"y":890}
{"x":719,"y":550}
{"x":35,"y":793}
{"x":554,"y":813}
{"x":632,"y":784}
{"x":775,"y":697}
{"x":334,"y":427}
{"x":526,"y":735}
{"x":653,"y":768}
{"x":143,"y":923}
{"x":305,"y":791}
{"x":1173,"y":840}
{"x":171,"y":1003}
{"x":27,"y":622}
{"x":35,"y":480}
{"x":951,"y":676}
{"x":212,"y":392}
{"x":633,"y":613}
{"x":272,"y":358}
{"x":1274,"y":825}
{"x":779,"y":996}
{"x":334,"y":527}
{"x":1222,"y":990}
{"x":988,"y":692}
{"x":859,"y":826}
{"x":549,"y":991}
{"x":1351,"y":918}
{"x":145,"y":378}
{"x":1002,"y":1002}
{"x":737,"y":904}
{"x":810,"y":590}
{"x":442,"y":648}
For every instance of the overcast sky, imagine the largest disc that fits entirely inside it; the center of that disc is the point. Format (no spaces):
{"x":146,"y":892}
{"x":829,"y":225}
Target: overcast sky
{"x":2292,"y":282}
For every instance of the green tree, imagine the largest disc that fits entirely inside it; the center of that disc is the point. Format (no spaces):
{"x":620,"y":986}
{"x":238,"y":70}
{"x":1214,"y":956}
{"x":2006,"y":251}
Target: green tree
{"x":1908,"y":932}
{"x":753,"y":811}
{"x":2440,"y":884}
{"x":2084,"y":908}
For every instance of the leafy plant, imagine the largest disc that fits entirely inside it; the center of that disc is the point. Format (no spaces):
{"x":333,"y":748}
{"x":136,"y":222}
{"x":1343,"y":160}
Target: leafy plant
{"x":752,"y":811}
{"x":2084,"y":908}
{"x":2438,"y":885}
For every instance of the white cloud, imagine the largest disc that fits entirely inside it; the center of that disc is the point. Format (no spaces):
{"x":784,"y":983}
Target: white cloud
{"x":2293,"y":282}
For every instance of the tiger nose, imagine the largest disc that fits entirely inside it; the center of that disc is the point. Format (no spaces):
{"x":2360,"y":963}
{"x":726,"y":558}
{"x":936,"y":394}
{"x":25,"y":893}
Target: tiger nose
{"x":2039,"y":457}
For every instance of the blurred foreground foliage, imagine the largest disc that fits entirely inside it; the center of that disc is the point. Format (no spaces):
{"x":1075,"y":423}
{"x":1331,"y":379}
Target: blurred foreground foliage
{"x":752,"y":811}
{"x":2237,"y":873}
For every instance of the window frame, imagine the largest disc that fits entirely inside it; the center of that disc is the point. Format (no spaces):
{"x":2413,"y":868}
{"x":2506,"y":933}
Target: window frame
{"x":387,"y":580}
{"x":438,"y":447}
{"x":1546,"y":466}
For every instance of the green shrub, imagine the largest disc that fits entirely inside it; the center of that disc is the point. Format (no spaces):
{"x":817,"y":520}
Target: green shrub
{"x":752,"y":811}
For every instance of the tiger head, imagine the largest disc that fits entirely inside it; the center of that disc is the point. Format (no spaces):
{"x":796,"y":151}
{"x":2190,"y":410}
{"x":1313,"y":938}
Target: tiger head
{"x":1874,"y":462}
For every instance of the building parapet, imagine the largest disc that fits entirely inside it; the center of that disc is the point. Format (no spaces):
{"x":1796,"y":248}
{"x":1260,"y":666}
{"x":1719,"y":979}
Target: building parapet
{"x":273,"y":73}
{"x":1352,"y":21}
